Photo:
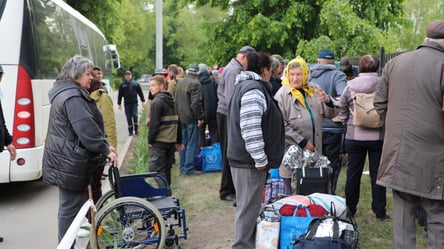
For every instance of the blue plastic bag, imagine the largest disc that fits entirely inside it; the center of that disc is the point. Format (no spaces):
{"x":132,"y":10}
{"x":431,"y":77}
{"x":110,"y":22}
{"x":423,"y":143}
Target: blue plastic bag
{"x":198,"y":159}
{"x":212,"y":158}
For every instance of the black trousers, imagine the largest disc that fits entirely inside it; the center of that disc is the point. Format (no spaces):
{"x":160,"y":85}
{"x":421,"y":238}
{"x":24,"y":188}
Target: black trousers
{"x":331,"y":148}
{"x":226,"y":184}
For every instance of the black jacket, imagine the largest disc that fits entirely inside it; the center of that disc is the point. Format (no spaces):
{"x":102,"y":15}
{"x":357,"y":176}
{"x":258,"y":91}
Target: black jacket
{"x":209,"y":92}
{"x":164,"y":128}
{"x":75,"y":142}
{"x":129,"y":92}
{"x":272,"y":128}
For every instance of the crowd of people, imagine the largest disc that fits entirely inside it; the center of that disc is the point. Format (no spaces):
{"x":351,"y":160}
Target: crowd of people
{"x":255,"y":107}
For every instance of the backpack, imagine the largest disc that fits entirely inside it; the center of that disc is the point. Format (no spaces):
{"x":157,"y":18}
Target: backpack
{"x":364,"y":113}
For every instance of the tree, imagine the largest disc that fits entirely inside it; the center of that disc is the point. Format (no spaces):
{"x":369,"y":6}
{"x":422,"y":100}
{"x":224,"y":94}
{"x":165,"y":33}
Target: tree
{"x":291,"y":27}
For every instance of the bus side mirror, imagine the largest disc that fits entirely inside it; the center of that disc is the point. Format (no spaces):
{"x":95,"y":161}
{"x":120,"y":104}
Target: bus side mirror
{"x":112,"y":59}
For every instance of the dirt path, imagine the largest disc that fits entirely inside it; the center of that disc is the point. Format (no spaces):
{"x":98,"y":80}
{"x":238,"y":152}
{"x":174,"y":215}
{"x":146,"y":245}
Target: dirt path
{"x":210,"y":221}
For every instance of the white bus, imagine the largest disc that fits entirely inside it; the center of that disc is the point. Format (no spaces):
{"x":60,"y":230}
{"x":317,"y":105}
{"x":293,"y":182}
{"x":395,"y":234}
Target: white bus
{"x":36,"y":38}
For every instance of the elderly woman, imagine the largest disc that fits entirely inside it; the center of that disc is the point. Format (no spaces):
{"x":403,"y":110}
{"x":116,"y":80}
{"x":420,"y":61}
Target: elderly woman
{"x":75,"y":143}
{"x":303,"y":106}
{"x":362,"y":141}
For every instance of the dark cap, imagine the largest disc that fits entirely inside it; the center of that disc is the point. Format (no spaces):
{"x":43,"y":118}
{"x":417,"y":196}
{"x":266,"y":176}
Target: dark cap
{"x":193,"y":68}
{"x":246,"y":50}
{"x":128,"y":72}
{"x":159,"y":72}
{"x":435,"y":29}
{"x":97,"y":68}
{"x":326,"y":54}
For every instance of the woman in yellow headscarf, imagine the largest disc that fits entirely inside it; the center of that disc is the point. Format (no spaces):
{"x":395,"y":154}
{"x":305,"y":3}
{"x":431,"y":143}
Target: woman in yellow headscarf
{"x":303,"y":106}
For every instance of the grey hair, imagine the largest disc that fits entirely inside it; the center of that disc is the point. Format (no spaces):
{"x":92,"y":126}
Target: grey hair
{"x":74,"y":68}
{"x":274,"y":64}
{"x":440,"y":41}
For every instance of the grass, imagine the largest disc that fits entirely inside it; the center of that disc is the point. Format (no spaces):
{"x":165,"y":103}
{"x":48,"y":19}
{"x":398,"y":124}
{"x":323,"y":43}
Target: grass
{"x":199,"y":197}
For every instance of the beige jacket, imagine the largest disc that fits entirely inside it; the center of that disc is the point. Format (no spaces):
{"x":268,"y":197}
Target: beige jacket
{"x":106,"y":107}
{"x":298,"y":123}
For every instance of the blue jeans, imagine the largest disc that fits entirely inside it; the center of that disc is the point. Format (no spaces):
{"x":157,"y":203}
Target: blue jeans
{"x":190,"y":139}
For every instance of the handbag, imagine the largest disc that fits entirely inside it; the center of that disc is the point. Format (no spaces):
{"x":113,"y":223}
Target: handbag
{"x":212,"y":158}
{"x":364,"y":113}
{"x":313,"y":180}
{"x":328,"y":232}
{"x":293,"y":226}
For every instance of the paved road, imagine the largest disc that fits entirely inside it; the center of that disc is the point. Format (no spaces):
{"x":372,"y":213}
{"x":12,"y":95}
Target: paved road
{"x":28,"y":210}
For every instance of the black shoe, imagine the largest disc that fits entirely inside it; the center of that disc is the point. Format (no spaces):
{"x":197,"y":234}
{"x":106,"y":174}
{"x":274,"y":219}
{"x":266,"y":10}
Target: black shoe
{"x":383,"y":218}
{"x":229,"y":197}
{"x":136,"y":133}
{"x":130,"y":134}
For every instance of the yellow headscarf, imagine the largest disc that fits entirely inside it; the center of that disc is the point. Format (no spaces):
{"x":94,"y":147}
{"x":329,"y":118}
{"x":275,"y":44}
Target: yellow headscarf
{"x":307,"y":89}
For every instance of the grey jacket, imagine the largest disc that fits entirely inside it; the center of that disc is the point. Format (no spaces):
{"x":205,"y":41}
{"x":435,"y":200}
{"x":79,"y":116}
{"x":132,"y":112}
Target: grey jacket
{"x":410,"y":97}
{"x":225,"y":88}
{"x":75,"y":144}
{"x":332,"y":81}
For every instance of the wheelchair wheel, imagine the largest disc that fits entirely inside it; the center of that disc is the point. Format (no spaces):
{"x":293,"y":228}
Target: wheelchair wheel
{"x":130,"y":222}
{"x":105,"y":199}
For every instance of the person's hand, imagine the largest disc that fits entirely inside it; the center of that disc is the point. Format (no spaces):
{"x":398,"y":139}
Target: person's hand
{"x":147,"y":121}
{"x":200,"y":122}
{"x":323,"y":97}
{"x":180,"y":147}
{"x":111,"y":158}
{"x":310,"y":146}
{"x":149,"y":145}
{"x":111,"y":148}
{"x":261,"y":168}
{"x":12,"y":152}
{"x":120,"y":107}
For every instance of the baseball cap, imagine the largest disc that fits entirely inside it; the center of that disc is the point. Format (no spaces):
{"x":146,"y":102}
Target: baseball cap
{"x":97,"y":68}
{"x":246,"y":50}
{"x":159,"y":72}
{"x":326,"y":54}
{"x":128,"y":72}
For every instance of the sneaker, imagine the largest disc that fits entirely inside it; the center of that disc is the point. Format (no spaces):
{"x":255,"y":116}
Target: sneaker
{"x":84,"y":230}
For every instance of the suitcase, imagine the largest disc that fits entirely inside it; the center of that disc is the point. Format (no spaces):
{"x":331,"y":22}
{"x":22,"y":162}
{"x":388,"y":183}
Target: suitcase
{"x":313,"y":180}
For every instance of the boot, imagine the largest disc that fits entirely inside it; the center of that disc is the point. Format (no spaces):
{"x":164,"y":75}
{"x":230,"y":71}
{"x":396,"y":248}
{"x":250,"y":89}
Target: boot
{"x":130,"y":130}
{"x":136,"y":129}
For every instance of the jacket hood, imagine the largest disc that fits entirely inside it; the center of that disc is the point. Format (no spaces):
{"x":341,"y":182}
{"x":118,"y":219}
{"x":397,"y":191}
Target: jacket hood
{"x":364,"y":83}
{"x":205,"y":78}
{"x":247,"y":75}
{"x":319,"y":69}
{"x":60,"y":86}
{"x":166,"y":97}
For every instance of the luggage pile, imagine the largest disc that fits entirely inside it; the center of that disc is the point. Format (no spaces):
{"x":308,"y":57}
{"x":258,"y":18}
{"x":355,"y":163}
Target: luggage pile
{"x":313,"y":217}
{"x":317,"y":220}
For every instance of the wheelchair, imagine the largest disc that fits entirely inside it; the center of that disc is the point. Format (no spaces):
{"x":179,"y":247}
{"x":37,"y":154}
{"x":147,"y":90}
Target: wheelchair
{"x":139,"y":212}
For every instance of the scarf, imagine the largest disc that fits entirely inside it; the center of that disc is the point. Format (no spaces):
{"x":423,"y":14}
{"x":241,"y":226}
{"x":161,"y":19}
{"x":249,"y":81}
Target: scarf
{"x":307,"y":89}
